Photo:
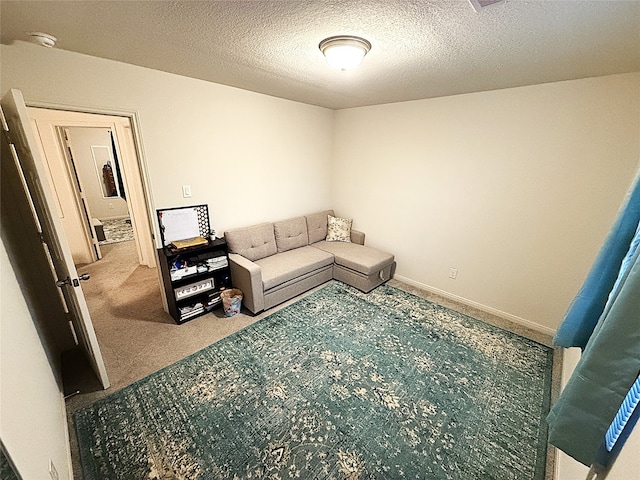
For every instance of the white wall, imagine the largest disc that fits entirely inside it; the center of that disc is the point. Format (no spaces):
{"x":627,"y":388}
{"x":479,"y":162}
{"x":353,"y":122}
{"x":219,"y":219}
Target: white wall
{"x":515,"y":188}
{"x":33,"y":423}
{"x":81,"y":140}
{"x":250,"y":157}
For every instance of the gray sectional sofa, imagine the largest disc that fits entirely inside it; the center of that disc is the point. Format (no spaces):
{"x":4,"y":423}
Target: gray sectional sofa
{"x":273,"y":262}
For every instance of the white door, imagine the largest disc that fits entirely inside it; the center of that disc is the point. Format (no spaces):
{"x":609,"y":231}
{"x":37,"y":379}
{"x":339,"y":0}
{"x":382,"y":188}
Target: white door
{"x":18,"y":131}
{"x":81,"y":192}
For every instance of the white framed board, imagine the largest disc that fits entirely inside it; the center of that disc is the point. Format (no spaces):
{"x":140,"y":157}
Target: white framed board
{"x":182,"y":223}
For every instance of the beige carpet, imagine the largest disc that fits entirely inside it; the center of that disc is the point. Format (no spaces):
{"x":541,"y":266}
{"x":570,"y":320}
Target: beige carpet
{"x":136,"y":336}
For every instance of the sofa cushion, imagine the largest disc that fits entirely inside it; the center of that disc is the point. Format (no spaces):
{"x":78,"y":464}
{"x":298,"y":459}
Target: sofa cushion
{"x":362,"y":259}
{"x":280,"y":268}
{"x":291,"y":234}
{"x":317,"y":225}
{"x":338,"y":229}
{"x":253,"y":243}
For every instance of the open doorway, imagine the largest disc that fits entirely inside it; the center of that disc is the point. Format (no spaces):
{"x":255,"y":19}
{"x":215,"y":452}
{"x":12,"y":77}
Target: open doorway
{"x":94,"y":158}
{"x":97,"y":177}
{"x":61,"y":135}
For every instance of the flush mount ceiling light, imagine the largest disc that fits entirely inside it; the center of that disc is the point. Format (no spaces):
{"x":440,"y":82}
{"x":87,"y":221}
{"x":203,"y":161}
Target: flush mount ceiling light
{"x":344,"y":52}
{"x":43,"y":39}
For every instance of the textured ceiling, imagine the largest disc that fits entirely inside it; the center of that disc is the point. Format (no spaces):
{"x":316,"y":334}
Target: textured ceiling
{"x":420,"y":49}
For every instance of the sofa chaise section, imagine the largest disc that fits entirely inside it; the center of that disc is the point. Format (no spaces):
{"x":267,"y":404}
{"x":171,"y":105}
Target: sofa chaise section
{"x":362,"y":267}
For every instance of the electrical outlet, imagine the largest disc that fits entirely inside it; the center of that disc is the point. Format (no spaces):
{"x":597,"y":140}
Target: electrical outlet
{"x":186,"y":191}
{"x":453,"y":273}
{"x":52,"y":471}
{"x":111,"y":205}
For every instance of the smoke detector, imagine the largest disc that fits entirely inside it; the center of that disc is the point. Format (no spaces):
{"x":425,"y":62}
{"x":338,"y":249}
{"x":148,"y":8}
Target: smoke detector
{"x":480,"y":4}
{"x":42,"y":39}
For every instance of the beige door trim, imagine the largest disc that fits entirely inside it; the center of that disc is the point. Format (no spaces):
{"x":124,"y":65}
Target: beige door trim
{"x":125,"y":126}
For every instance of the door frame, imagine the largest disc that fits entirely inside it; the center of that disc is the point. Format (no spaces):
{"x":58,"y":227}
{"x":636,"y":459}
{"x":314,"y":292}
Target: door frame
{"x":68,"y":188}
{"x":134,"y":166}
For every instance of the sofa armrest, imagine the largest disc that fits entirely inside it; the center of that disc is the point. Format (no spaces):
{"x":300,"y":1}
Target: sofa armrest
{"x":247,"y":276}
{"x":357,"y":237}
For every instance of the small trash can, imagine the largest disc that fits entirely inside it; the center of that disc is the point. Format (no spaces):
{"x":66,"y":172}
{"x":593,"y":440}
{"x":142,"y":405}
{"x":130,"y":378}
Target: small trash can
{"x":231,"y":301}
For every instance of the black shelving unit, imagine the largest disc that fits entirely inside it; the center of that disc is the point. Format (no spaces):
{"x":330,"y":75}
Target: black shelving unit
{"x":194,"y":277}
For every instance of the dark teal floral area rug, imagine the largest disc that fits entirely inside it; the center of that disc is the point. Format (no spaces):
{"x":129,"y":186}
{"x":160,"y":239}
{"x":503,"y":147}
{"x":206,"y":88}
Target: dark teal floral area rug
{"x":339,"y":385}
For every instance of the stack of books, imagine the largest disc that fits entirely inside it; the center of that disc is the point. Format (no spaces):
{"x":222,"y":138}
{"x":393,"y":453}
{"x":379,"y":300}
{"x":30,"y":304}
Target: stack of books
{"x":191,"y":311}
{"x":217,"y":262}
{"x":189,"y":242}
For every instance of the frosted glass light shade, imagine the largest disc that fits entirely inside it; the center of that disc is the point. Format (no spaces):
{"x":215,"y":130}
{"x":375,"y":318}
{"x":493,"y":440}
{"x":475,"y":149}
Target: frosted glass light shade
{"x":344,"y":52}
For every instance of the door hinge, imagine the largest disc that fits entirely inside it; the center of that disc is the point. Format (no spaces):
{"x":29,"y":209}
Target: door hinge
{"x":73,"y":332}
{"x":66,"y":140}
{"x":3,"y":120}
{"x":7,"y":135}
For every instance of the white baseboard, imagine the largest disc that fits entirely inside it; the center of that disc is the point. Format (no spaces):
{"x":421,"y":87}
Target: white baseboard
{"x":465,"y":301}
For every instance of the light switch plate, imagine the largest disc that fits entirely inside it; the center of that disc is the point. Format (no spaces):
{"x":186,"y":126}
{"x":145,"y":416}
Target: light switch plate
{"x":186,"y":191}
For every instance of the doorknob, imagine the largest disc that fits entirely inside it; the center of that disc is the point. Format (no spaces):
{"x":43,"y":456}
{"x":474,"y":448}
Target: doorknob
{"x":75,"y":283}
{"x":62,"y":283}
